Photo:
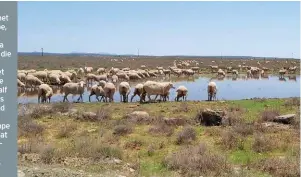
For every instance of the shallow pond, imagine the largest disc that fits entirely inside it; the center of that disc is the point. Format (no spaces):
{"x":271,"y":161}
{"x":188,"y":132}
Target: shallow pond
{"x":228,"y":89}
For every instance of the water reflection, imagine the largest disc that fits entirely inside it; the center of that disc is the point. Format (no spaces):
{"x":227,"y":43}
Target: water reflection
{"x":229,"y":87}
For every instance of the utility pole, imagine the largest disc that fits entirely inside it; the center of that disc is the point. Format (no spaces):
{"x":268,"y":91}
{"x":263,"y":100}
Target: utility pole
{"x":42,"y":52}
{"x":292,"y":55}
{"x":138,"y":52}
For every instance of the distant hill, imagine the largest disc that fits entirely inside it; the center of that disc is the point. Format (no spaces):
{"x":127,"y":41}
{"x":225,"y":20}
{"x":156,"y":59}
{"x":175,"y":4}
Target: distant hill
{"x":111,"y":54}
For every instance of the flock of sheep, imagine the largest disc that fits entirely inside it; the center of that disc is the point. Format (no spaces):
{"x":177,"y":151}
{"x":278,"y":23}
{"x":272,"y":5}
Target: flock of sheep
{"x":75,"y":81}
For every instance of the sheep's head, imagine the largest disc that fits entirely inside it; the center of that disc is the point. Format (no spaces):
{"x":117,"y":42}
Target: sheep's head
{"x":82,"y":83}
{"x":171,"y":85}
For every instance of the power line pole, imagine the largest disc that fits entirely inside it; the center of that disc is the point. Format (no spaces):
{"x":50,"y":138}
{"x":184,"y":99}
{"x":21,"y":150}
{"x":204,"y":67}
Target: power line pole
{"x":42,"y":52}
{"x":138,"y":52}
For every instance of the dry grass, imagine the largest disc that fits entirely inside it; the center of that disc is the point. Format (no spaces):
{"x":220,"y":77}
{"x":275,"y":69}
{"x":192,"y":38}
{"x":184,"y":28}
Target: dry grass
{"x":186,"y":135}
{"x":88,"y":147}
{"x":47,"y":154}
{"x":61,"y":107}
{"x":31,"y":146}
{"x":121,"y":130}
{"x":133,"y":144}
{"x":161,"y":129}
{"x":269,"y":114}
{"x":232,"y":140}
{"x":292,"y":102}
{"x":262,"y":143}
{"x":28,"y":127}
{"x":65,"y":62}
{"x":39,"y":111}
{"x":280,"y":167}
{"x":66,"y":130}
{"x":150,"y":150}
{"x":197,"y":160}
{"x":244,"y":129}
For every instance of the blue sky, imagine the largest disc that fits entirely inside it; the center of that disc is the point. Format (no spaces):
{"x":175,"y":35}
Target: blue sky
{"x":161,"y":28}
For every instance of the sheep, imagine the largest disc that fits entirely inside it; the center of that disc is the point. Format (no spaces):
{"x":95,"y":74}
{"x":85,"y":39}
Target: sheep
{"x":97,"y":90}
{"x":155,"y":88}
{"x":220,"y":72}
{"x":103,"y":77}
{"x":182,"y":91}
{"x":21,"y":76}
{"x":45,"y":92}
{"x":213,"y":68}
{"x":292,"y":70}
{"x":249,"y":73}
{"x":75,"y":89}
{"x":64,"y":78}
{"x":42,"y":75}
{"x":282,"y":72}
{"x":137,"y":91}
{"x":109,"y":89}
{"x":32,"y":81}
{"x":20,"y":84}
{"x":133,"y":76}
{"x":166,"y":71}
{"x":102,"y":83}
{"x":122,"y":75}
{"x":80,"y":72}
{"x":54,"y":78}
{"x":196,"y":69}
{"x":114,"y":78}
{"x":88,"y":69}
{"x":101,"y":70}
{"x":113,"y":70}
{"x":90,"y":77}
{"x":143,"y":67}
{"x":124,"y":91}
{"x":152,"y":74}
{"x":71,"y":74}
{"x":235,"y":72}
{"x":212,"y":89}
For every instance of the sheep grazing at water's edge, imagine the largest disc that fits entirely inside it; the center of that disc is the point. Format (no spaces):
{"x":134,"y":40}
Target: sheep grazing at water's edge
{"x":124,"y":91}
{"x":110,"y":90}
{"x":182,"y":91}
{"x":75,"y":89}
{"x":137,"y":91}
{"x":44,"y":92}
{"x":155,"y":88}
{"x":212,"y":89}
{"x":98,"y":91}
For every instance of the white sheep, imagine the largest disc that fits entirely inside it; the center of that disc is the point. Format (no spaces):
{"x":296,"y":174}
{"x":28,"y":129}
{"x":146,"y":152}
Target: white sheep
{"x":75,"y":89}
{"x":114,"y":78}
{"x":182,"y":91}
{"x":20,"y":84}
{"x":212,"y":89}
{"x":110,"y":90}
{"x":97,"y":90}
{"x":45,"y":92}
{"x":124,"y":91}
{"x":54,"y":78}
{"x":31,"y":81}
{"x":102,"y":83}
{"x":137,"y":91}
{"x":101,"y":70}
{"x":155,"y":88}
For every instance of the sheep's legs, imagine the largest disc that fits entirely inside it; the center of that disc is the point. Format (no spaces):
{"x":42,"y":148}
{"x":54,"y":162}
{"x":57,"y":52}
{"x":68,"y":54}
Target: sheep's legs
{"x":96,"y":98}
{"x":133,"y":97}
{"x":65,"y":98}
